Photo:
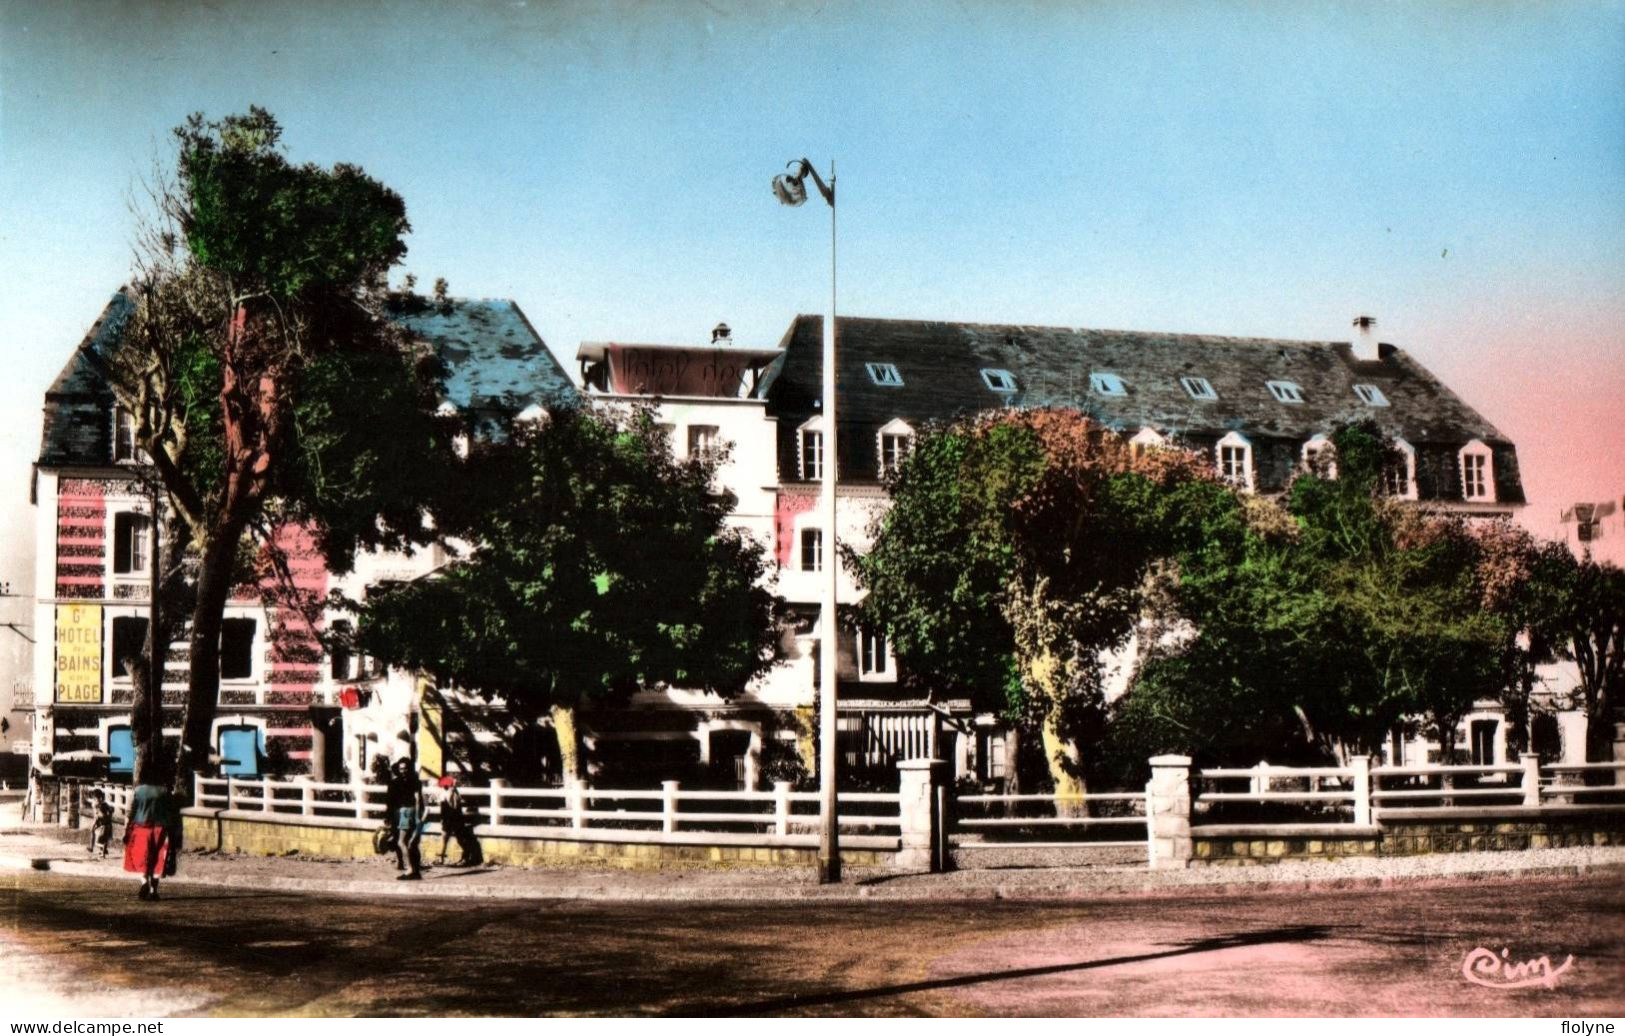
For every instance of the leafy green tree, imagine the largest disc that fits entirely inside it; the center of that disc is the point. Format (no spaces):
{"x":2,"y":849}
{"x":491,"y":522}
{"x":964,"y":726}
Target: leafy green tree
{"x":1322,"y":630}
{"x":1015,"y":550}
{"x":267,"y":383}
{"x":602,"y":565}
{"x":1590,"y":620}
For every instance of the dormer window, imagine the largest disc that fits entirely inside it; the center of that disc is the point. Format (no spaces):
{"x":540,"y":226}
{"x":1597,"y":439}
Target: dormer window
{"x":1320,"y":457}
{"x":1235,"y":460}
{"x":1477,"y":475}
{"x":1370,"y":395}
{"x":998,"y":379}
{"x":1105,"y":383}
{"x":1147,"y":439}
{"x":810,"y":450}
{"x":1399,"y":472}
{"x":885,"y":374}
{"x":1285,"y":391}
{"x":894,"y":441}
{"x":1199,"y":388}
{"x":125,"y":450}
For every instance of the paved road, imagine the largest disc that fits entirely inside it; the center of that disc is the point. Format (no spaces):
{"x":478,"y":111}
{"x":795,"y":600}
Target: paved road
{"x":89,"y":946}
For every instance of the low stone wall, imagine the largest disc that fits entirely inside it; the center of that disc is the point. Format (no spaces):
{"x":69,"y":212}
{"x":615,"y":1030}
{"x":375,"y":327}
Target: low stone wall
{"x":1411,"y":838}
{"x":1477,"y":831}
{"x":1250,"y":844}
{"x":341,"y":838}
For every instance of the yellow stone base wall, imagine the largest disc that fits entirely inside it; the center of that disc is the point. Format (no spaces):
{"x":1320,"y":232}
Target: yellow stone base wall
{"x":271,"y":838}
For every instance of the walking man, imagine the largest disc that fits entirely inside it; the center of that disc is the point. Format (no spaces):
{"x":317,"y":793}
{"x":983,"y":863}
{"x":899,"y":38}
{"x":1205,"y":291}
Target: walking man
{"x":404,"y":803}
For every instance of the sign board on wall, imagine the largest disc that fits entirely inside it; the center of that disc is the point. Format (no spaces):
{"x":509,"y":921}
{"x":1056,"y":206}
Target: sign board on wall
{"x":79,"y":653}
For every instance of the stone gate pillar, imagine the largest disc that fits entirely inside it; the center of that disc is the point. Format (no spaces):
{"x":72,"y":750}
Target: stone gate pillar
{"x":1168,"y":812}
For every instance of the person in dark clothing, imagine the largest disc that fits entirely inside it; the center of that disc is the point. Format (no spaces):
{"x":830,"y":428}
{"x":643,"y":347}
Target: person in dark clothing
{"x":455,"y":824}
{"x":403,"y":803}
{"x":101,"y":822}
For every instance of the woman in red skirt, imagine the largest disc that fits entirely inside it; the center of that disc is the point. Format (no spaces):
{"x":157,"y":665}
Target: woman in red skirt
{"x":151,"y":838}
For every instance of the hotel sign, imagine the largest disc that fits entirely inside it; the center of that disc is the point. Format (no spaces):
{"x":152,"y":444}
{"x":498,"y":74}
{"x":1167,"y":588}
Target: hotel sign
{"x":79,"y":653}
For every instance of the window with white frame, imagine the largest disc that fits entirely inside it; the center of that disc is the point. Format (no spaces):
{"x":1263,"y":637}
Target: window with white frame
{"x":810,"y":452}
{"x":1320,"y":457}
{"x":885,"y":374}
{"x":129,"y":637}
{"x":130,"y":534}
{"x":812,"y":550}
{"x":1146,"y":439}
{"x":1370,"y":395}
{"x":894,"y":440}
{"x":1285,"y":391}
{"x":1105,"y":383}
{"x":998,"y":379}
{"x":1199,"y":388}
{"x":125,"y":450}
{"x":1399,"y":471}
{"x":1235,"y":459}
{"x":1477,"y":476}
{"x":703,"y":439}
{"x":874,"y":656}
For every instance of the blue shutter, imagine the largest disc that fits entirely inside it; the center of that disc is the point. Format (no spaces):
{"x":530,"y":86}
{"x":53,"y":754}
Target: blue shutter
{"x":240,"y":748}
{"x":121,"y":746}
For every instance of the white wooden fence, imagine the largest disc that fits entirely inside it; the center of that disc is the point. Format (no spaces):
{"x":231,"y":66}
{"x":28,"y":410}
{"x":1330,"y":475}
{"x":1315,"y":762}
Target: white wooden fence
{"x":1360,"y":794}
{"x":1046,"y":821}
{"x":664,"y":814}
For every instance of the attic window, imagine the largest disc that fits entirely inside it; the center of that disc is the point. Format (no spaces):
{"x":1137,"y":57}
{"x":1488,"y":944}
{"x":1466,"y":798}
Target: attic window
{"x":1370,"y":395}
{"x":1477,"y":477}
{"x":1285,"y":391}
{"x":1107,"y":384}
{"x":998,"y":379}
{"x":885,"y":374}
{"x":1199,"y":388}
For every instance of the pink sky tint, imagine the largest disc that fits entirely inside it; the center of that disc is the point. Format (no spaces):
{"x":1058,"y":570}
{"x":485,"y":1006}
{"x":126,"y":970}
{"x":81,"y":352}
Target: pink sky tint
{"x":1549,"y":372}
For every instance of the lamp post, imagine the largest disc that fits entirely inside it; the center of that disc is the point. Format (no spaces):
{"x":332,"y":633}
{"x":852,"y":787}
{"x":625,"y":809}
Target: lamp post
{"x":791,"y":189}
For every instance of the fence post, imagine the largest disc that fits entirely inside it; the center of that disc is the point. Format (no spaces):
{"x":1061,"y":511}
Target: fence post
{"x":197,"y":789}
{"x":781,"y":808}
{"x":1168,"y":812}
{"x":668,"y":801}
{"x":231,"y":793}
{"x":1260,"y":782}
{"x":577,"y":804}
{"x":918,"y":821}
{"x":1361,"y":788}
{"x":359,"y":794}
{"x":1531,"y":778}
{"x":307,"y":796}
{"x":498,"y":785}
{"x":266,"y":795}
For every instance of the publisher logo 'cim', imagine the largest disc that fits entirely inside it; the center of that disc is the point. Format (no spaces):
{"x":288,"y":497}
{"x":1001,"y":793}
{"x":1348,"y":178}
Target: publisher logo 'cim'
{"x":1499,"y":971}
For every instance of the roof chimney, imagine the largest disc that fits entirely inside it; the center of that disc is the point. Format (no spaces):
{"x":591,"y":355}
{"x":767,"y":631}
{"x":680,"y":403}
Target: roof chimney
{"x":722,"y":333}
{"x":1365,"y":338}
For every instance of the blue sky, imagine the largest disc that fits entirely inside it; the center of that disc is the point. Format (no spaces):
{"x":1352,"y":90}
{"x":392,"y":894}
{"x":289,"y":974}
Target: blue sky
{"x":1456,"y":169}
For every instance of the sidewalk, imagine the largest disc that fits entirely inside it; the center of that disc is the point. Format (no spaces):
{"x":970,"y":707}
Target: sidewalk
{"x":61,"y":851}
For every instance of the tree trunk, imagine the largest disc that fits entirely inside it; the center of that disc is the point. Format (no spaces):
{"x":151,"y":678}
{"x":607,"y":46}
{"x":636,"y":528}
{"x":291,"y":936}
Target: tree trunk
{"x":203,"y":677}
{"x":564,"y":728}
{"x":1060,"y":752}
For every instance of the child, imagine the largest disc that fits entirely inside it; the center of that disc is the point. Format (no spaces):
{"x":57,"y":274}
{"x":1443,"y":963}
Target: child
{"x":101,"y":824}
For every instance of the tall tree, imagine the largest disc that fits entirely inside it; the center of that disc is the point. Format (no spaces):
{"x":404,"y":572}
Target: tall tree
{"x":1014,"y":552}
{"x":1591,"y":620}
{"x":601,"y":565}
{"x":1322,"y":630}
{"x":258,"y":350}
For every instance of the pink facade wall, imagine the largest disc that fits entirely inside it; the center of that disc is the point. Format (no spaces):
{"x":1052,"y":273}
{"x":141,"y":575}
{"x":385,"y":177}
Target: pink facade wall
{"x":785,"y":508}
{"x":81,"y":539}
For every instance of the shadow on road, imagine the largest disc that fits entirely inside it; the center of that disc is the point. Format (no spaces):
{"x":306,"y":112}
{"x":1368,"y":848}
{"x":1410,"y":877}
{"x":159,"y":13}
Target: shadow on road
{"x":1295,"y":933}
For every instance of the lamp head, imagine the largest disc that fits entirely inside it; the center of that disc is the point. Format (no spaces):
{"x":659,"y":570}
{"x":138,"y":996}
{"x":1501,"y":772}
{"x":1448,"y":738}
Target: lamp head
{"x":789,"y":189}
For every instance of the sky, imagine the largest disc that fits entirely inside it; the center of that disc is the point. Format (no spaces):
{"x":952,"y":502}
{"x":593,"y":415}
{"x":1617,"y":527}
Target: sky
{"x":1456,"y":169}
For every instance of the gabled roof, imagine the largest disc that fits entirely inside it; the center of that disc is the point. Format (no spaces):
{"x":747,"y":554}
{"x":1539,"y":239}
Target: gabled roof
{"x":940,"y":365}
{"x":495,"y":366}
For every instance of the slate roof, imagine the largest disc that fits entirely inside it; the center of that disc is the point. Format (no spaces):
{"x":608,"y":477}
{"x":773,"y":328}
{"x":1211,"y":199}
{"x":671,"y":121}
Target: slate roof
{"x":940,"y":365}
{"x":496,"y":365}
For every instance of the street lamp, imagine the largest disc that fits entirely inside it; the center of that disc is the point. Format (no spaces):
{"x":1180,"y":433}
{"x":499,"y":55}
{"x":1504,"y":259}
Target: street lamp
{"x":791,"y":189}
